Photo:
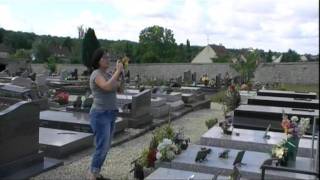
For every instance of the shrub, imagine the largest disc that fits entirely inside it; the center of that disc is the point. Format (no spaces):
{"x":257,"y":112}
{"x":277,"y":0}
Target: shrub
{"x":211,"y":122}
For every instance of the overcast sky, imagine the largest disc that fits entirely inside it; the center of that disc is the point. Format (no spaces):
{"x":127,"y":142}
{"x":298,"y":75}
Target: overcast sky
{"x":265,"y":24}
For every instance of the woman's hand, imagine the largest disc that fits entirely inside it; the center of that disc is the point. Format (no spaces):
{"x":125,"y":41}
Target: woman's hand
{"x":119,"y":67}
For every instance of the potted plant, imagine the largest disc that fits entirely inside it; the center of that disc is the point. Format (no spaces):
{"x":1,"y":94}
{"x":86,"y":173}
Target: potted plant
{"x":294,"y":130}
{"x":280,"y":152}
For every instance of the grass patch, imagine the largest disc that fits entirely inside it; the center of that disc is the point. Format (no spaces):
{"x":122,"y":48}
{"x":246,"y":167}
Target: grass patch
{"x":211,"y":122}
{"x":219,"y":96}
{"x":299,"y":87}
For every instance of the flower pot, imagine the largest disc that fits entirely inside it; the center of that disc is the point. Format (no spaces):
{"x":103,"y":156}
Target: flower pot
{"x":284,"y":160}
{"x":292,"y":150}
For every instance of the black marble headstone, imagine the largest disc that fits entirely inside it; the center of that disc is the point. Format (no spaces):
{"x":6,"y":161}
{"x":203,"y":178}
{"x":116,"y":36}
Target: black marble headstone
{"x":259,"y":117}
{"x":19,"y":135}
{"x":291,"y":94}
{"x":284,"y":102}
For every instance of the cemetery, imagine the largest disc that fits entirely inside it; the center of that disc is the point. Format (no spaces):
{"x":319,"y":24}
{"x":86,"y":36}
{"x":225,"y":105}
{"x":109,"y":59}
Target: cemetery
{"x":236,"y":146}
{"x":152,"y":106}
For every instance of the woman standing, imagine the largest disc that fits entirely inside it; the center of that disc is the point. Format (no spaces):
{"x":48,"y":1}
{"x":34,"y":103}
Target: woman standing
{"x":103,"y":111}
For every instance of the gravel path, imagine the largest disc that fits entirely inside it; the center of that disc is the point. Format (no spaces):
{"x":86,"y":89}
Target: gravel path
{"x":118,"y":161}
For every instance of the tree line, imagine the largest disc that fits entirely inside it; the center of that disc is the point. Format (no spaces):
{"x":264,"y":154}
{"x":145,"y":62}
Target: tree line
{"x":156,"y":45}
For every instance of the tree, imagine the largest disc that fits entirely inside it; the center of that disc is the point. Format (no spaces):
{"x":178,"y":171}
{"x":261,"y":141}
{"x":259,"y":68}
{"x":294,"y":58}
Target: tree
{"x":246,"y":66}
{"x":158,"y":42}
{"x":22,"y":53}
{"x":188,"y":51}
{"x":18,"y":40}
{"x":89,"y":44}
{"x":269,"y":56}
{"x":1,"y":34}
{"x":67,"y":43}
{"x":290,"y":56}
{"x":41,"y":50}
{"x":51,"y":64}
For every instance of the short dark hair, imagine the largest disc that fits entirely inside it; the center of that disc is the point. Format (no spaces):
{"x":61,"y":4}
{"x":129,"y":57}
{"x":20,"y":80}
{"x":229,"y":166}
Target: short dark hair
{"x":97,"y":55}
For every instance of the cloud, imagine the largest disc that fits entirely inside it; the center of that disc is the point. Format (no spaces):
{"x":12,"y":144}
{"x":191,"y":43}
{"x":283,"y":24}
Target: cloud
{"x":266,"y":24}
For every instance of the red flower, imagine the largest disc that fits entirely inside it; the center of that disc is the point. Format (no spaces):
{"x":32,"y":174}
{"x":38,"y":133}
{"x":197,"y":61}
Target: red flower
{"x":152,"y":157}
{"x":62,"y":97}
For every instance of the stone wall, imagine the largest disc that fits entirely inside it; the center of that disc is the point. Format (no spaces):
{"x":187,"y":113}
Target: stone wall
{"x":172,"y":70}
{"x":294,"y":73}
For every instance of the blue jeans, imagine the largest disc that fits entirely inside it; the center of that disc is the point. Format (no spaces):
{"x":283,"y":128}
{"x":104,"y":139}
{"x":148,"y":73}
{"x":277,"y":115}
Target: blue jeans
{"x":102,"y":123}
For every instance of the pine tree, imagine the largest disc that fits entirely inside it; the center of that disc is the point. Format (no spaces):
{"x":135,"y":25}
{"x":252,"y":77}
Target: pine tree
{"x":89,"y":44}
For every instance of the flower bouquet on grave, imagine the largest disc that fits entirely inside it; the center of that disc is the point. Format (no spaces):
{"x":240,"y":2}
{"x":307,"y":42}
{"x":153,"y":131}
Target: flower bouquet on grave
{"x":61,"y":97}
{"x":280,"y":152}
{"x":294,"y":130}
{"x":180,"y":141}
{"x":166,"y":150}
{"x":125,"y":62}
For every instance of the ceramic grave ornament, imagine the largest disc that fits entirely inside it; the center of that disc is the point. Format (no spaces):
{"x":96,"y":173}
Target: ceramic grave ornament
{"x":202,"y":154}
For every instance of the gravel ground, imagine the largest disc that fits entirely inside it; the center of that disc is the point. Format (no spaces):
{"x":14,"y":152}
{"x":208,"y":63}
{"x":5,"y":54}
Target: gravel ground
{"x":118,"y":161}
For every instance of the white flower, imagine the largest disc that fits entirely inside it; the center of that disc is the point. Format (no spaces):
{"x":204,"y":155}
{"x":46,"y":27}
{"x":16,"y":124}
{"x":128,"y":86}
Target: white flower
{"x":170,"y":155}
{"x":158,"y":155}
{"x":161,"y":146}
{"x":167,"y":141}
{"x":294,"y":118}
{"x":279,"y":152}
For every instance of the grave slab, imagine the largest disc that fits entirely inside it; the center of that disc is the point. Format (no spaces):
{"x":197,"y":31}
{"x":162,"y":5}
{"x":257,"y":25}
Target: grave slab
{"x":176,"y":105}
{"x":160,"y":111}
{"x":171,"y":97}
{"x":291,"y":94}
{"x":259,"y":117}
{"x":74,"y":121}
{"x":58,"y":143}
{"x":188,"y":97}
{"x":164,"y":173}
{"x":245,"y":95}
{"x":284,"y":102}
{"x":157,"y":101}
{"x":250,"y":170}
{"x":19,"y":134}
{"x":251,"y":140}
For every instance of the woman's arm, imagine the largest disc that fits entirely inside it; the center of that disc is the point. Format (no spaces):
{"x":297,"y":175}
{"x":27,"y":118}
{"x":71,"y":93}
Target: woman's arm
{"x":112,"y":83}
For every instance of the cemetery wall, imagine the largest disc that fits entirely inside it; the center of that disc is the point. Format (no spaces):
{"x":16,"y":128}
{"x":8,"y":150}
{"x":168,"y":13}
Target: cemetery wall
{"x":294,"y":73}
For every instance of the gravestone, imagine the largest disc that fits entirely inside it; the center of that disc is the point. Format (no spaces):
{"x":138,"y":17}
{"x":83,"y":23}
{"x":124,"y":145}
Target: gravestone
{"x":41,"y":80}
{"x":218,"y":80}
{"x":291,"y":94}
{"x":3,"y":74}
{"x":259,"y":117}
{"x":59,"y":143}
{"x":19,"y":127}
{"x":159,"y":108}
{"x":23,"y":82}
{"x":251,"y":140}
{"x":179,"y":79}
{"x":194,"y":77}
{"x":187,"y":77}
{"x":284,"y":102}
{"x":64,"y":75}
{"x":24,"y":74}
{"x":73,"y":121}
{"x":13,"y":91}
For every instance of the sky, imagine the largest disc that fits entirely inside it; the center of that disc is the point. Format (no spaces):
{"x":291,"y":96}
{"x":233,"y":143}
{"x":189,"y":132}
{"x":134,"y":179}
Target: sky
{"x":265,"y":24}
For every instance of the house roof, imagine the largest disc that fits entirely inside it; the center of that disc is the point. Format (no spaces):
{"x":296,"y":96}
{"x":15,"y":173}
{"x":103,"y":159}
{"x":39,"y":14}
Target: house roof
{"x":219,"y":49}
